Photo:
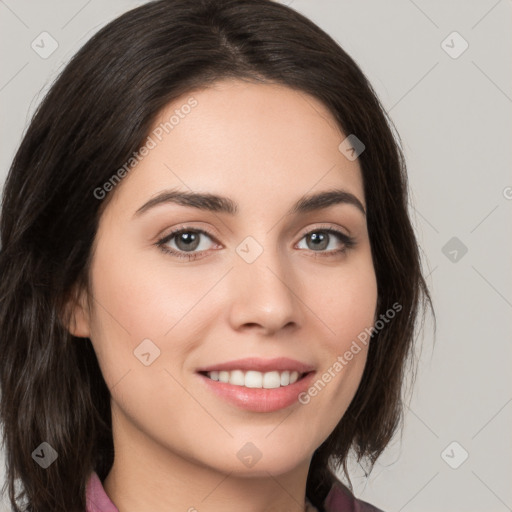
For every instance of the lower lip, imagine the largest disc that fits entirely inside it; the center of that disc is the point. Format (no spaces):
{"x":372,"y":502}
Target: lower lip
{"x":259,"y":399}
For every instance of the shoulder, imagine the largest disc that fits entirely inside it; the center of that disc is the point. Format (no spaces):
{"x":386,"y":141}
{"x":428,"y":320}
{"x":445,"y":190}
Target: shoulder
{"x":340,"y":499}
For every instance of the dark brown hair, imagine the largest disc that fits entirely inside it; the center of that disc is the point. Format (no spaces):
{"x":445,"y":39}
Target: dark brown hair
{"x":95,"y":116}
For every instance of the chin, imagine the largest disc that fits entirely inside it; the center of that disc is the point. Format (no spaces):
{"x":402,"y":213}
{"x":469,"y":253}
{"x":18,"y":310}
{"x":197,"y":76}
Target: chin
{"x":248,"y":461}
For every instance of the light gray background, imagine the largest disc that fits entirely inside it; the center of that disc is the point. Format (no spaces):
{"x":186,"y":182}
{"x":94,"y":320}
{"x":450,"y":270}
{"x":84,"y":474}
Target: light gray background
{"x":454,"y":117}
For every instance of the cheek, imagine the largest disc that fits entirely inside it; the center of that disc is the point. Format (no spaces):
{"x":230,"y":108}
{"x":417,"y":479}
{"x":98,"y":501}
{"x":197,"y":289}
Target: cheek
{"x":344,"y":299}
{"x":141,"y":295}
{"x":346,"y":305}
{"x":137,"y":297}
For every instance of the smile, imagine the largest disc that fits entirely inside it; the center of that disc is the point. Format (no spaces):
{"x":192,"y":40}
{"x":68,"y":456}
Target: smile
{"x":257,"y":398}
{"x":255,"y":379}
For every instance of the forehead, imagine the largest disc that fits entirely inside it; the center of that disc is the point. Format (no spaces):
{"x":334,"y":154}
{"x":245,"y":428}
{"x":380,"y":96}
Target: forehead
{"x":245,"y":140}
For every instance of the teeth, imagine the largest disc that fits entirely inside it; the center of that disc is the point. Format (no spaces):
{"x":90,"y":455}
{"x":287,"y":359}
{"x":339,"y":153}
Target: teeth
{"x":236,"y":377}
{"x":253,"y":379}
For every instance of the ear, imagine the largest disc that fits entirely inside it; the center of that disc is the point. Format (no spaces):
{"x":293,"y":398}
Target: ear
{"x":77,"y":315}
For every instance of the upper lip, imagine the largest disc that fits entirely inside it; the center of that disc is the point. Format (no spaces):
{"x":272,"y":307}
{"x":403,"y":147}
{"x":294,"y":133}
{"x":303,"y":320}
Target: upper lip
{"x":260,"y":365}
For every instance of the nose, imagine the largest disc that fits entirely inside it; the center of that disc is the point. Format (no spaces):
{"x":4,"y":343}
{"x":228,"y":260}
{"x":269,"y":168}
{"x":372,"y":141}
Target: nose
{"x":265,"y":294}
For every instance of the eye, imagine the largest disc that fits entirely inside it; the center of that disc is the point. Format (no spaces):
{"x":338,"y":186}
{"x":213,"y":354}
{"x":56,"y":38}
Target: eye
{"x":186,"y":241}
{"x":323,"y":240}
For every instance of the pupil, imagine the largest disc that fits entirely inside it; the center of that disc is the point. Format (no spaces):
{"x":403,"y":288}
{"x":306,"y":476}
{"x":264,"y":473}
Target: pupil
{"x":319,"y":239}
{"x":188,"y":239}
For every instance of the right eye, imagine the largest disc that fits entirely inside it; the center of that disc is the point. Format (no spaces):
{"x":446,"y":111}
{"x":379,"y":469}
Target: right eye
{"x":186,"y":242}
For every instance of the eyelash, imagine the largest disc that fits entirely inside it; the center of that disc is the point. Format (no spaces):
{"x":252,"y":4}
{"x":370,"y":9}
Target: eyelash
{"x":348,"y":242}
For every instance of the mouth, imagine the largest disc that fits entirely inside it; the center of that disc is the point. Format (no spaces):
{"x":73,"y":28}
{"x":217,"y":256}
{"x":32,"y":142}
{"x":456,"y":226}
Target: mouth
{"x":257,"y":384}
{"x":261,"y":392}
{"x":255,"y":379}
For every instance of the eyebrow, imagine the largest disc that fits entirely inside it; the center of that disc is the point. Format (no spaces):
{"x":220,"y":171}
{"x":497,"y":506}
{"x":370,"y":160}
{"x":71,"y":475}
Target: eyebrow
{"x":216,"y":203}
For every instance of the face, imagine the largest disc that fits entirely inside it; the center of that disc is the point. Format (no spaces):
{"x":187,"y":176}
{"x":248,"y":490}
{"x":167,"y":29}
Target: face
{"x":181,"y":287}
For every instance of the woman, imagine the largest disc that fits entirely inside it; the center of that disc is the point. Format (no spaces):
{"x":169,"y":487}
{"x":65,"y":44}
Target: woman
{"x":210,"y":282}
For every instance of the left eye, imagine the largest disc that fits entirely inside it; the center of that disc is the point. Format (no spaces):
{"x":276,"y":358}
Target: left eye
{"x":320,"y":240}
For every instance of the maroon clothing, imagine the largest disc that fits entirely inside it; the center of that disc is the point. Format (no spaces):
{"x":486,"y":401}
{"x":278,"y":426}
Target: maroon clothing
{"x":339,"y":499}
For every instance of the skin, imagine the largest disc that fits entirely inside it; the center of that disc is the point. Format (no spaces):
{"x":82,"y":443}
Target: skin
{"x":176,"y":443}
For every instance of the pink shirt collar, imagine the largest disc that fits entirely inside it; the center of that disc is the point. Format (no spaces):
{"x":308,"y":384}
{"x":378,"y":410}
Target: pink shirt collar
{"x":96,"y":497}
